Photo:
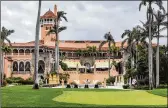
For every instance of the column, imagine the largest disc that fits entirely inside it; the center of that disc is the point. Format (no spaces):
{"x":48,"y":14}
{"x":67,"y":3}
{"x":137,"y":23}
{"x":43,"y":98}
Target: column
{"x":94,"y":68}
{"x":62,"y":82}
{"x":104,"y":82}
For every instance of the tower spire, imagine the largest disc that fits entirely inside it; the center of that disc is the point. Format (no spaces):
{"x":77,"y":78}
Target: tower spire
{"x":55,"y":9}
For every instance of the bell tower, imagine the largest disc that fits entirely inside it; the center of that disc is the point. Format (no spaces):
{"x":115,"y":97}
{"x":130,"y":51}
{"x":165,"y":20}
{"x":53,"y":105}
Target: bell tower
{"x":47,"y":22}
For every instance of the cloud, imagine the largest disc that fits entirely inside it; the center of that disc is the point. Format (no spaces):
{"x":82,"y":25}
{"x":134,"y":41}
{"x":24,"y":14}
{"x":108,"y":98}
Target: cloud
{"x":87,"y":20}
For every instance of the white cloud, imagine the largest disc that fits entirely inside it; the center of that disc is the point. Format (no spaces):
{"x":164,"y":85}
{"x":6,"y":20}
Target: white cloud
{"x":87,"y":20}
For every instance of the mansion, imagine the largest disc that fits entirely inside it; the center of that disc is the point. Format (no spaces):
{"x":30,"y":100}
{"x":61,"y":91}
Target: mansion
{"x":20,"y":62}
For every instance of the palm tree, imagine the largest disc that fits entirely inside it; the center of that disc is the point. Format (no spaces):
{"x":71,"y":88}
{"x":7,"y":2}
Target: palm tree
{"x":56,"y":30}
{"x":36,"y":86}
{"x":150,"y":19}
{"x":160,"y":17}
{"x":4,"y":37}
{"x":110,"y":40}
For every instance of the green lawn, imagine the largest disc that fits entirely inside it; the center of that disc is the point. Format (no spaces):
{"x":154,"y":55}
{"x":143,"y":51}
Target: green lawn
{"x":22,"y":96}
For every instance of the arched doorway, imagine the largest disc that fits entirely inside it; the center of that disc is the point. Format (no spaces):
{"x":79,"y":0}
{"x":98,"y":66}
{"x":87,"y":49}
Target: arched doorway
{"x":41,"y":67}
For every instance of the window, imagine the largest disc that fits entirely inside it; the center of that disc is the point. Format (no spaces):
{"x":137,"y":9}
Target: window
{"x":15,"y":66}
{"x":50,"y":19}
{"x":21,"y":66}
{"x":46,"y":28}
{"x":44,"y":19}
{"x":47,"y":19}
{"x":27,"y":52}
{"x":21,"y":52}
{"x":27,"y":66}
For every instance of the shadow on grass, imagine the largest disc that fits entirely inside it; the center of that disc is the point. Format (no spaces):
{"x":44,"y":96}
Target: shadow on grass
{"x":158,"y":92}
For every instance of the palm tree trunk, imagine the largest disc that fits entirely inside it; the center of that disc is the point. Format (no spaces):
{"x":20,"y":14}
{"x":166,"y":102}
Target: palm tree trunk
{"x":36,"y":85}
{"x":150,"y":52}
{"x":157,"y":60}
{"x":109,"y":58}
{"x":1,"y":69}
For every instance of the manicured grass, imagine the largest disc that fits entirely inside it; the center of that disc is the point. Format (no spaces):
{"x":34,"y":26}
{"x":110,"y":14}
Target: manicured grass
{"x":160,"y":92}
{"x":24,"y":96}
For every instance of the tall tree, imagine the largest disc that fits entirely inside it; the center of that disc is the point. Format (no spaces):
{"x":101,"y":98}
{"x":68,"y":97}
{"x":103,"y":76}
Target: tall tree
{"x":150,"y":19}
{"x":110,"y":40}
{"x":56,"y":29}
{"x":160,"y":18}
{"x":4,"y":37}
{"x":36,"y":51}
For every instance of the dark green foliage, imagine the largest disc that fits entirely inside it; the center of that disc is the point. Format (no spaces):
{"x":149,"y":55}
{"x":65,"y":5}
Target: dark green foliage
{"x":96,"y":86}
{"x":64,"y":76}
{"x":110,"y":80}
{"x":126,"y":86}
{"x":142,"y":87}
{"x":68,"y":86}
{"x":86,"y":86}
{"x":14,"y":80}
{"x":64,"y":66}
{"x":19,"y":80}
{"x":75,"y":86}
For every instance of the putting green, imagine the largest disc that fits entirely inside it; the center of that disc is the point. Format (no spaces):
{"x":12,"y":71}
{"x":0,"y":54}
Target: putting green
{"x":111,"y":98}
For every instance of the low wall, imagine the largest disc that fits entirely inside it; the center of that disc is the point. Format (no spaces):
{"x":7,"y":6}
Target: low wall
{"x":24,"y":76}
{"x":98,"y":75}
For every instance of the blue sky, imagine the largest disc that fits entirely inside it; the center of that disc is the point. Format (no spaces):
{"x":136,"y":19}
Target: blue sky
{"x":87,"y":20}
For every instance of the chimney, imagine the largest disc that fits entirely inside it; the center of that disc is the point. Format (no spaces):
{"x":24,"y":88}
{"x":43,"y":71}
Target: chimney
{"x":55,"y":9}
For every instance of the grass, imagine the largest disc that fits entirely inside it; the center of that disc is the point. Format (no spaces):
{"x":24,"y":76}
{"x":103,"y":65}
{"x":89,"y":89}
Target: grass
{"x":24,"y":96}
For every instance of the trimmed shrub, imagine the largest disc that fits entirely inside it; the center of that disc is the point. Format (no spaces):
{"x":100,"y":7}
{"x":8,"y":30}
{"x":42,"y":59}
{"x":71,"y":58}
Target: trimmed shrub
{"x":142,"y":87}
{"x":14,"y":80}
{"x":96,"y":86}
{"x":110,"y":80}
{"x":126,"y":86}
{"x":162,"y":86}
{"x":75,"y":86}
{"x":68,"y":86}
{"x":86,"y":86}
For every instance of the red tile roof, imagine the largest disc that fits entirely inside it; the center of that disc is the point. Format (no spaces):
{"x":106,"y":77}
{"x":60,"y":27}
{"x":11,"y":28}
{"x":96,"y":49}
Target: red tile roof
{"x":48,"y":14}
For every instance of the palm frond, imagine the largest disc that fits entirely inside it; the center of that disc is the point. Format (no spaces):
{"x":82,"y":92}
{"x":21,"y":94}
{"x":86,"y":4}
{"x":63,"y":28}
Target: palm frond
{"x":126,"y":32}
{"x":101,"y":44}
{"x":142,"y":3}
{"x":51,"y":31}
{"x":62,"y":28}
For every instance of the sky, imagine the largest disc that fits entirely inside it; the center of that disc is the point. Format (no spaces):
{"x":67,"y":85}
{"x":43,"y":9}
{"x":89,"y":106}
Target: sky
{"x":87,"y":20}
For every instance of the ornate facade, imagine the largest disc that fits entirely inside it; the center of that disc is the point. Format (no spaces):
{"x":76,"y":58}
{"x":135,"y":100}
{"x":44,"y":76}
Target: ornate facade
{"x":94,"y":66}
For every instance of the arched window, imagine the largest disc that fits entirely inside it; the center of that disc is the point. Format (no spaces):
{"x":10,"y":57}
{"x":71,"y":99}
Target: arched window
{"x":21,"y":52}
{"x":15,"y":52}
{"x":32,"y":51}
{"x":41,"y":67}
{"x":40,"y":51}
{"x":27,"y":66}
{"x":27,"y":52}
{"x":21,"y":66}
{"x":15,"y":66}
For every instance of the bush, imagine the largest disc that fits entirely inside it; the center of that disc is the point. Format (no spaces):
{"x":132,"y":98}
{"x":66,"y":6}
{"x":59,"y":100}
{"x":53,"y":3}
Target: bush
{"x":162,"y":86}
{"x":68,"y":86}
{"x":110,"y":80}
{"x":142,"y":87}
{"x":19,"y":80}
{"x":86,"y":86}
{"x":126,"y":86}
{"x":75,"y":86}
{"x":96,"y":86}
{"x":14,"y":80}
